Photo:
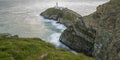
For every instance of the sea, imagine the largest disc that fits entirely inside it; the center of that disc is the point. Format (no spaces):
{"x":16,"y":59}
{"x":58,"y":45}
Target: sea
{"x":22,"y":17}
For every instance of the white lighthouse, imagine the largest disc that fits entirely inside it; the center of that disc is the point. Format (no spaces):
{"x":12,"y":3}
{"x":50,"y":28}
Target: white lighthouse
{"x":56,"y":6}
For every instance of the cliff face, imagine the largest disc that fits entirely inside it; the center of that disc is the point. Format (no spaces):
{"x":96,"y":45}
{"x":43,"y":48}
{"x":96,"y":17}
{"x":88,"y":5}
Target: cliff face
{"x":77,"y":36}
{"x":97,"y":34}
{"x":106,"y":21}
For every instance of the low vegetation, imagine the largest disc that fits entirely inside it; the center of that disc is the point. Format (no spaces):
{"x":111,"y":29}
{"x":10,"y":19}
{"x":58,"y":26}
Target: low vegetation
{"x":63,"y":13}
{"x":33,"y":49}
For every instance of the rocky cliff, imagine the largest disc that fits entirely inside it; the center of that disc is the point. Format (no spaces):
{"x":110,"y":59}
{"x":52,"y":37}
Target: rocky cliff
{"x":106,"y":21}
{"x":77,"y":36}
{"x":62,"y":15}
{"x":97,"y":34}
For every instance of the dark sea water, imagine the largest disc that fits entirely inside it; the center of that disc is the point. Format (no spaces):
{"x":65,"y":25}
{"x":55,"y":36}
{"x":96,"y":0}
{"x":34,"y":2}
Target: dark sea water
{"x":21,"y":17}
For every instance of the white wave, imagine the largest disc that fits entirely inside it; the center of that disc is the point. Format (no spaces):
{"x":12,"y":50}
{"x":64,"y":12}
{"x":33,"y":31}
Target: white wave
{"x":58,"y":25}
{"x":54,"y":23}
{"x":54,"y":38}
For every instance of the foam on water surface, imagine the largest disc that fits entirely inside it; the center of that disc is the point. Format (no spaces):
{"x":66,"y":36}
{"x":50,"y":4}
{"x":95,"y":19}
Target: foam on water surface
{"x":23,"y":17}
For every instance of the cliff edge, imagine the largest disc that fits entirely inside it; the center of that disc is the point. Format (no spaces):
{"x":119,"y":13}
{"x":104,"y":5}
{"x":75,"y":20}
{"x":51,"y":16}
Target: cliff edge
{"x":97,"y":34}
{"x":77,"y":36}
{"x":106,"y":21}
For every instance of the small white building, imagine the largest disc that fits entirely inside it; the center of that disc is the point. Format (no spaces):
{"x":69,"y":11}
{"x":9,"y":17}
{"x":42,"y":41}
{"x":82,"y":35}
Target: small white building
{"x":58,"y":7}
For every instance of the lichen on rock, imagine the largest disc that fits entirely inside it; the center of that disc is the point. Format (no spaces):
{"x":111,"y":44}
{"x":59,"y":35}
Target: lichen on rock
{"x":64,"y":16}
{"x":97,"y":34}
{"x":77,"y":36}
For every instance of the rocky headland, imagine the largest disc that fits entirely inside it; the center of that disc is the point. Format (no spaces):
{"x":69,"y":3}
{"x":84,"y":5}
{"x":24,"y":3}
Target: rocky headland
{"x":77,"y":36}
{"x":97,"y":34}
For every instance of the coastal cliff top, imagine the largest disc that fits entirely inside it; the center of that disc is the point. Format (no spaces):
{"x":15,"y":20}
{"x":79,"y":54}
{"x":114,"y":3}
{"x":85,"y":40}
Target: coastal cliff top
{"x":15,"y":48}
{"x":63,"y":15}
{"x":61,"y":12}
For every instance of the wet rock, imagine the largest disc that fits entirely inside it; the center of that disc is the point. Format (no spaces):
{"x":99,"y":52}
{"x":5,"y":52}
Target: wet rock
{"x":106,"y":21}
{"x":77,"y":36}
{"x":97,"y":34}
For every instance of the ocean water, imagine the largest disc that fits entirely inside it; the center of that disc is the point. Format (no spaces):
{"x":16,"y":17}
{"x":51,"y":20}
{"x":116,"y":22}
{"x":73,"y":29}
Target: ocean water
{"x":22,"y":17}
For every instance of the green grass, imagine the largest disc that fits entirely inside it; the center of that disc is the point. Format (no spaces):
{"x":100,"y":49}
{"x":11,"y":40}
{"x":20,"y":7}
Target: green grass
{"x":69,"y":14}
{"x":34,"y":49}
{"x":65,"y":13}
{"x":53,"y":11}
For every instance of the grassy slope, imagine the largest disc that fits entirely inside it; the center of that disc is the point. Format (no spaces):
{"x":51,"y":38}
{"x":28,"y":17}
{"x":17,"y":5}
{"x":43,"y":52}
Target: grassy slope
{"x":64,"y":13}
{"x":34,"y":49}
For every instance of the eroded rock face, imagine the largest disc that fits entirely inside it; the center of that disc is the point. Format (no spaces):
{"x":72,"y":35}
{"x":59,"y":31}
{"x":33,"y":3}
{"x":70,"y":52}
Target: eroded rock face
{"x":97,"y":34}
{"x":77,"y":36}
{"x":106,"y":21}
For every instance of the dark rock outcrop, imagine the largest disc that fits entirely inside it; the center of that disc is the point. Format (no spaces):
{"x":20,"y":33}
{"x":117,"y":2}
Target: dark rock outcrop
{"x":106,"y":21}
{"x":8,"y":35}
{"x":62,"y":15}
{"x":97,"y":34}
{"x":107,"y":26}
{"x":77,"y":36}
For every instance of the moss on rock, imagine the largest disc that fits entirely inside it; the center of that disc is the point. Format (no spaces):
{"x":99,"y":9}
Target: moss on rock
{"x":64,"y":15}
